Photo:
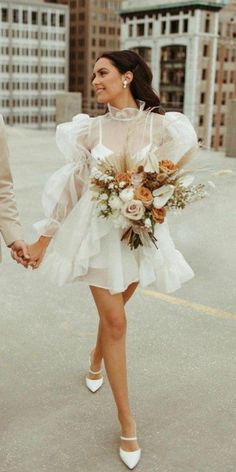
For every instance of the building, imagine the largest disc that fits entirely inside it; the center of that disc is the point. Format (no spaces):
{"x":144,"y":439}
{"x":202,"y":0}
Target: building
{"x":94,"y":28}
{"x":33,"y":60}
{"x":225,"y":77}
{"x":191,"y":47}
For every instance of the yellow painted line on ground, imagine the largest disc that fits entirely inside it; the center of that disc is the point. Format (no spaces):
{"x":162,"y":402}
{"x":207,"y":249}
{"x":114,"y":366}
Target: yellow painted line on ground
{"x":207,"y":310}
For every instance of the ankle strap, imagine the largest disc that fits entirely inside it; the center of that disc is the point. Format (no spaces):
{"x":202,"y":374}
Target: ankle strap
{"x":128,"y":439}
{"x":93,"y":372}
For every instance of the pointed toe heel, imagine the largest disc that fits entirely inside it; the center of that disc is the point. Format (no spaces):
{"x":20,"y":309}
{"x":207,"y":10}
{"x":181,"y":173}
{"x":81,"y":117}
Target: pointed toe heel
{"x":130,"y":458}
{"x":94,"y":384}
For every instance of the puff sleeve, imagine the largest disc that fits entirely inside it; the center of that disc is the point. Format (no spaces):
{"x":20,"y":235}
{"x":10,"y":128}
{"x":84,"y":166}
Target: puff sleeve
{"x":178,"y":136}
{"x":65,"y":187}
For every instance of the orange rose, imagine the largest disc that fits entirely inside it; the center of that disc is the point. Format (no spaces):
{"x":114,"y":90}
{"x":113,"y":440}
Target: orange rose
{"x":123,"y":177}
{"x":144,"y":194}
{"x":168,"y":166}
{"x":158,"y":214}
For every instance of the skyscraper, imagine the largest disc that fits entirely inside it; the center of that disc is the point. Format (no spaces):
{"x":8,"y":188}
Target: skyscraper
{"x":94,"y":28}
{"x":33,"y":60}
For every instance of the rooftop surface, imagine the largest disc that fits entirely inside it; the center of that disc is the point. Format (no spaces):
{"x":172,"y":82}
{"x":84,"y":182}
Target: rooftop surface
{"x":181,"y":346}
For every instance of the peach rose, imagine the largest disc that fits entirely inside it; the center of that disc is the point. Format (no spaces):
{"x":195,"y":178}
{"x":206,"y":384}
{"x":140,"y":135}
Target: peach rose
{"x":123,"y":177}
{"x":133,"y":210}
{"x":144,"y":194}
{"x":168,"y":166}
{"x":158,"y":214}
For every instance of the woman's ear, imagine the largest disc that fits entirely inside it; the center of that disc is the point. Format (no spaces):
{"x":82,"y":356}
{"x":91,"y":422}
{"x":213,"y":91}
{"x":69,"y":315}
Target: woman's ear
{"x":128,"y":76}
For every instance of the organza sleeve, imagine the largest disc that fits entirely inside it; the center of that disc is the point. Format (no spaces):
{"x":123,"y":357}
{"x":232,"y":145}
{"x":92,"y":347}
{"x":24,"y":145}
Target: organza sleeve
{"x":178,"y":137}
{"x":65,"y":187}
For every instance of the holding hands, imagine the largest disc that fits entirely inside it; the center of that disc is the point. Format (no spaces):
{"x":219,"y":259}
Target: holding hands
{"x":29,"y":255}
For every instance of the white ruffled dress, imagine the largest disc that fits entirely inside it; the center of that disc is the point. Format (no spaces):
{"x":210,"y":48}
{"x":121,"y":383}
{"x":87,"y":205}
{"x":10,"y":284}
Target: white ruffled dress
{"x":87,"y":247}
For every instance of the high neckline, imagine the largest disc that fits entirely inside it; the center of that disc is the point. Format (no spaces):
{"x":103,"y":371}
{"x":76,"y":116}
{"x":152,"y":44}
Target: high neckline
{"x":127,"y":113}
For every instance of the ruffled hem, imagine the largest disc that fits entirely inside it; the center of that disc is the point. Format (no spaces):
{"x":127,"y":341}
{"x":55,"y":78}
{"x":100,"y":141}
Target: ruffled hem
{"x":89,"y":249}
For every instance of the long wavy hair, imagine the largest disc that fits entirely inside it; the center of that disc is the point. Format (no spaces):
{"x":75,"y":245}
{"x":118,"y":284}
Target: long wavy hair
{"x":141,"y":85}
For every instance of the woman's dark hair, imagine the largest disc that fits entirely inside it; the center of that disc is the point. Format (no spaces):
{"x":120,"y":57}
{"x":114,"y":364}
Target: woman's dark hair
{"x":141,"y":85}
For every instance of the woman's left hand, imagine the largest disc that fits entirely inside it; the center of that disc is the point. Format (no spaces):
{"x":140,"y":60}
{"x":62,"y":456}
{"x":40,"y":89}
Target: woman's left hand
{"x":37,"y":251}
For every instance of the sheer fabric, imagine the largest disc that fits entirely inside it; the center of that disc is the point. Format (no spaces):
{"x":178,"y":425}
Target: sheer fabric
{"x":88,"y":248}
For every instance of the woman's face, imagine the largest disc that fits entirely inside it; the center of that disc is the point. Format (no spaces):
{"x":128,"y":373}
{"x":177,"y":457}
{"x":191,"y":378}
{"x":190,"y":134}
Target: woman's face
{"x":107,"y":81}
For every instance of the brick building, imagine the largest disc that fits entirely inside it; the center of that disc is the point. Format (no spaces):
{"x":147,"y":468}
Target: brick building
{"x":94,"y":28}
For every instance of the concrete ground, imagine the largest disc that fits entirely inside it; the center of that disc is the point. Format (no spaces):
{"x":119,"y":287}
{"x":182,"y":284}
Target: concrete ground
{"x":181,"y":347}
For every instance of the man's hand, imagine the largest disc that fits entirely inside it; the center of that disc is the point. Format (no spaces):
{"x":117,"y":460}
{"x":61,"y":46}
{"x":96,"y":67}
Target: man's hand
{"x":20,"y":253}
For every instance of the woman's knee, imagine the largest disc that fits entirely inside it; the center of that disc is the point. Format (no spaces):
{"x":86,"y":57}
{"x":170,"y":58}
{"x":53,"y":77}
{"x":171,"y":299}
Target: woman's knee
{"x":114,"y":324}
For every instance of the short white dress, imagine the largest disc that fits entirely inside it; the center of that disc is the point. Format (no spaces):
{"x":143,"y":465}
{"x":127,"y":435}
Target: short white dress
{"x":88,"y":248}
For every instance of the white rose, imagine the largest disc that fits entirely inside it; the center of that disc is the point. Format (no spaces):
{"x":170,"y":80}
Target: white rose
{"x":103,"y":196}
{"x":134,"y":210}
{"x":127,"y":194}
{"x":115,"y":202}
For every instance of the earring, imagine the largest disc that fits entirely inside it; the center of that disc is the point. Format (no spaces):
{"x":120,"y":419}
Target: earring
{"x":125,"y":83}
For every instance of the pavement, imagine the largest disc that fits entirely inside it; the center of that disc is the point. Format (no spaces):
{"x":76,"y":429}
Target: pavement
{"x":181,"y":346}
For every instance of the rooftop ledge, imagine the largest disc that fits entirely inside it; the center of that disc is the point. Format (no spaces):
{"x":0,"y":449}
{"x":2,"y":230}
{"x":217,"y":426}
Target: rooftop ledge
{"x":153,"y":6}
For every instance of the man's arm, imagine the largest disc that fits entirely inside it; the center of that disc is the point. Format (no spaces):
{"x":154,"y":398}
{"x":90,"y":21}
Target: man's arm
{"x":10,"y":226}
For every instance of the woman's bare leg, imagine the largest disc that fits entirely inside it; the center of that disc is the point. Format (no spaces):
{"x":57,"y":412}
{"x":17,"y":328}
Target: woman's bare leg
{"x":113,"y":340}
{"x":96,"y":353}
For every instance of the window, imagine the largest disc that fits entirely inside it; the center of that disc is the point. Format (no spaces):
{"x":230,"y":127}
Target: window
{"x":202,"y":99}
{"x":44,"y":19}
{"x":204,"y":74}
{"x":4,"y":15}
{"x":207,"y":25}
{"x":221,"y":140}
{"x":174,"y":26}
{"x":130,"y":30}
{"x":34,"y":17}
{"x":185,"y":28}
{"x":62,"y":20}
{"x":140,"y":29}
{"x":205,"y":50}
{"x":163,"y":27}
{"x":53,"y":19}
{"x":150,"y":29}
{"x":201,"y":120}
{"x":102,"y":42}
{"x":25,"y":16}
{"x":15,"y":16}
{"x":222,"y":120}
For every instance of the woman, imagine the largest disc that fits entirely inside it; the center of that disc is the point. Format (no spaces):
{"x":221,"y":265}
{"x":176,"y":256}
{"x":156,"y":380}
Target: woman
{"x":88,"y":248}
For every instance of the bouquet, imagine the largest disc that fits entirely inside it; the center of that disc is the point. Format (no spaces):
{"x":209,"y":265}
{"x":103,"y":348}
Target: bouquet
{"x":137,"y":200}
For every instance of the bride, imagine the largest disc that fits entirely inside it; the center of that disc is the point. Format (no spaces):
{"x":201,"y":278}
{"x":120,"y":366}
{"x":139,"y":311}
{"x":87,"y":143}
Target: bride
{"x":87,"y":248}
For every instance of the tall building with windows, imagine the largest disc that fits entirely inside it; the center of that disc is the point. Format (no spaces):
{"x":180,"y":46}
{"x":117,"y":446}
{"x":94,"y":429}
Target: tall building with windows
{"x":94,"y":28}
{"x":225,"y":77}
{"x":191,"y":47}
{"x":33,"y":61}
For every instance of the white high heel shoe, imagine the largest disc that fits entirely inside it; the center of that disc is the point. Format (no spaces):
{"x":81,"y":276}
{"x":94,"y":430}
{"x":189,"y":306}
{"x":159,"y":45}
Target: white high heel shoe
{"x":130,"y":458}
{"x":93,"y":385}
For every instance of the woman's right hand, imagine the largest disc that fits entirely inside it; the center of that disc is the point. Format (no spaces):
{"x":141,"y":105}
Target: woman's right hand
{"x":37,"y":251}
